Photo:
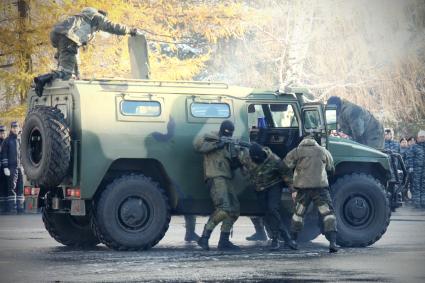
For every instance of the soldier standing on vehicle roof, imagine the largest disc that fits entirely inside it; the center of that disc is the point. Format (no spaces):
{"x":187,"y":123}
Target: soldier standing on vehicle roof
{"x":267,"y":174}
{"x":3,"y":179}
{"x":217,"y":174}
{"x":358,"y":123}
{"x":76,"y":31}
{"x":12,"y":168}
{"x":311,"y":162}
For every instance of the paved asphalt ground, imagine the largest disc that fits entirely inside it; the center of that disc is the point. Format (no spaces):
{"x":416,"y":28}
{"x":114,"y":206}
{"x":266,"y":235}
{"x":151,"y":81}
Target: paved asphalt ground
{"x":28,"y":254}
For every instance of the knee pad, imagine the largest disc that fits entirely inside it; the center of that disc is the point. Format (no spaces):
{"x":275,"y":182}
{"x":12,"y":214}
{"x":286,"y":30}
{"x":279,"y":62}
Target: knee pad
{"x":324,"y":209}
{"x":329,"y":223}
{"x":297,"y":223}
{"x":300,"y":209}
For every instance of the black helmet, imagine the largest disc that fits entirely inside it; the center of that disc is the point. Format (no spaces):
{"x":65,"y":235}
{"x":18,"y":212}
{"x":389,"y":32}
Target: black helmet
{"x":257,"y":154}
{"x":226,"y":128}
{"x":335,"y":100}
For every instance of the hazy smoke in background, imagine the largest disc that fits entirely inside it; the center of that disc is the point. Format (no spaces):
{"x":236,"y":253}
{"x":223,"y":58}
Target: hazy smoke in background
{"x":371,"y":52}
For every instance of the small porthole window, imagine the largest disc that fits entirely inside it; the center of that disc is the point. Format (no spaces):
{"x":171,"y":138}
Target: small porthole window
{"x":210,"y":110}
{"x":141,"y":108}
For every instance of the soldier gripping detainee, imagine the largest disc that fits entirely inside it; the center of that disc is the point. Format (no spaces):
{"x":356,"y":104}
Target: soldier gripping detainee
{"x":69,"y":35}
{"x":218,"y":173}
{"x":311,"y":163}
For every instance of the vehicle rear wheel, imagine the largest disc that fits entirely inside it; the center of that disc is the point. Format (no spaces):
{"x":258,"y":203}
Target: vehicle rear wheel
{"x":46,"y":146}
{"x":73,"y":231}
{"x":362,"y":210}
{"x":132,"y":213}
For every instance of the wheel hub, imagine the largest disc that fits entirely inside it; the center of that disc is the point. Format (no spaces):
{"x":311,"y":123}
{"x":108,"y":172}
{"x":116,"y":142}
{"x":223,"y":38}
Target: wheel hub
{"x":35,"y":146}
{"x":133,"y":213}
{"x":357,"y":210}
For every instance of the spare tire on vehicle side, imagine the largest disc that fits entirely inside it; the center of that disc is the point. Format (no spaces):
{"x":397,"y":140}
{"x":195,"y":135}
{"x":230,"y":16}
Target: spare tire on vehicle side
{"x":45,"y":146}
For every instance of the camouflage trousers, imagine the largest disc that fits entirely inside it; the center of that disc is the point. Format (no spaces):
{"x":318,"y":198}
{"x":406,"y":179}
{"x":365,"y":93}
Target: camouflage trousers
{"x":67,"y":55}
{"x":226,"y":204}
{"x":322,"y":200}
{"x":418,"y":187}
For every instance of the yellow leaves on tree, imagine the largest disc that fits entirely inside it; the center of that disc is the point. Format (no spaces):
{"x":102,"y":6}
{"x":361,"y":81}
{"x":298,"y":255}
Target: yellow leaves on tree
{"x":26,"y":51}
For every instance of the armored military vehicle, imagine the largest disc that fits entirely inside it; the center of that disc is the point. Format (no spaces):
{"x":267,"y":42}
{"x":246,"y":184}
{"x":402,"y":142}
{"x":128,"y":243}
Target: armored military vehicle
{"x":111,"y":160}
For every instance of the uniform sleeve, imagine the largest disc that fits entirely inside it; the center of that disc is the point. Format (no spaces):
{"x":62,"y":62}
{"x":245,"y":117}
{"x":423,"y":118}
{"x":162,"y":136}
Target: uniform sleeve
{"x":329,"y":162}
{"x":106,"y":25}
{"x":203,"y":146}
{"x":291,"y":159}
{"x":287,"y":174}
{"x":4,"y":155}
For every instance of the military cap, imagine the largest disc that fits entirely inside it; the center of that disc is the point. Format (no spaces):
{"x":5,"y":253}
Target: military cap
{"x":2,"y":128}
{"x":14,"y":124}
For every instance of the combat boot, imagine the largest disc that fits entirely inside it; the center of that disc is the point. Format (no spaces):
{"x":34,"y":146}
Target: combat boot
{"x":289,"y":241}
{"x":203,"y":241}
{"x":41,"y":81}
{"x":224,"y":243}
{"x":260,"y":233}
{"x":275,"y":245}
{"x":191,"y":236}
{"x":331,"y":236}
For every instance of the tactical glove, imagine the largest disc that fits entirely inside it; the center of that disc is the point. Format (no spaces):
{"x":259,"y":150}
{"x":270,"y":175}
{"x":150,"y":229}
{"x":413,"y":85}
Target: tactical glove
{"x":220,"y":144}
{"x":6,"y":171}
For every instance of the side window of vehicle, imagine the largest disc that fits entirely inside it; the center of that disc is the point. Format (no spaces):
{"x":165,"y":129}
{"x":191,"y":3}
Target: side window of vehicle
{"x":140,"y":108}
{"x":210,"y":110}
{"x":312,"y":119}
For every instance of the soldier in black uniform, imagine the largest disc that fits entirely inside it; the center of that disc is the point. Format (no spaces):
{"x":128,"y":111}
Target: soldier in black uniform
{"x":3,"y":179}
{"x":12,"y":168}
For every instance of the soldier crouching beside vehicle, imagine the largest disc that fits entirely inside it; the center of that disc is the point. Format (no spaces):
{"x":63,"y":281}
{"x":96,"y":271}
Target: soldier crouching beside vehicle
{"x":311,"y":163}
{"x":218,"y":174}
{"x":265,"y":171}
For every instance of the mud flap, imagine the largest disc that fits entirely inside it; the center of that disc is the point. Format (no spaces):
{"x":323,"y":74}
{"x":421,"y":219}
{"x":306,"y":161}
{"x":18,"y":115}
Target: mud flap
{"x":139,"y":60}
{"x":78,"y":207}
{"x":31,"y":204}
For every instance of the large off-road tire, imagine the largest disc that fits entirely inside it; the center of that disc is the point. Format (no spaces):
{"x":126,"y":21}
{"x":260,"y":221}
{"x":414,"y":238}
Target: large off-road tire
{"x":132,"y":213}
{"x":46,"y":146}
{"x":362,"y":210}
{"x":73,"y":231}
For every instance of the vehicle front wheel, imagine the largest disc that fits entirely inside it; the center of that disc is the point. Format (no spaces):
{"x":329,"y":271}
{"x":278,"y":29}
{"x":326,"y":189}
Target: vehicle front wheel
{"x":362,"y":210}
{"x":132,"y":213}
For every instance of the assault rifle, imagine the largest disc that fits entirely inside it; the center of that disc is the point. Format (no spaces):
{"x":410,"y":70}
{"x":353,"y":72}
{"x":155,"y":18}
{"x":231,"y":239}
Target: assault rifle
{"x":230,"y":141}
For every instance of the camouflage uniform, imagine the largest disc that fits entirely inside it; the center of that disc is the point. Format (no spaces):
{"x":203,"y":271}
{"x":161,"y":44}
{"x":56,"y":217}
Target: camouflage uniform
{"x":267,"y":178}
{"x":3,"y":185}
{"x":392,"y":145}
{"x":360,"y":124}
{"x":217,"y":174}
{"x":418,"y":183}
{"x":76,"y":31}
{"x":311,"y":161}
